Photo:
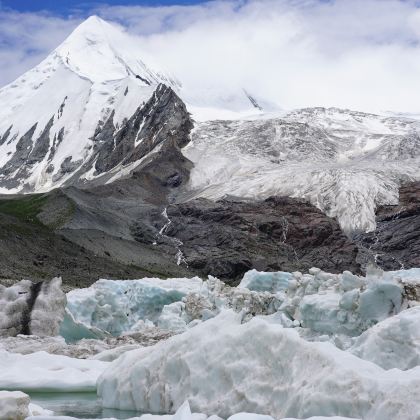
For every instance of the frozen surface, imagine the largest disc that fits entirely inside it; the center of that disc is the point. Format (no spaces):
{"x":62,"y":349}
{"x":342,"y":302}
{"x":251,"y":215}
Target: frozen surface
{"x":222,"y":366}
{"x":116,"y":306}
{"x":46,"y":372}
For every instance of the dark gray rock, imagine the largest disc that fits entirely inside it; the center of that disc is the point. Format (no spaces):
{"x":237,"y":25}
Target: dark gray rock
{"x":42,"y":145}
{"x":229,"y":237}
{"x":164,"y":118}
{"x":23,"y":149}
{"x":5,"y":136}
{"x":395,"y":244}
{"x":67,"y":166}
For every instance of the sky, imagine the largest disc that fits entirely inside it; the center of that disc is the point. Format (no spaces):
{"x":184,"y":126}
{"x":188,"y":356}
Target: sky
{"x":358,"y":54}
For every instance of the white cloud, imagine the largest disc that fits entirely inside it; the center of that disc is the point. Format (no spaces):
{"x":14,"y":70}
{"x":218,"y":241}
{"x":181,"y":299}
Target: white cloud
{"x":26,"y":39}
{"x":361,"y":54}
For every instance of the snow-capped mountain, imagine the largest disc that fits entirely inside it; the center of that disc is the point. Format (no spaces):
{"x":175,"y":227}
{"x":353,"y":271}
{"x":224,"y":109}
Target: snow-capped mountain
{"x":49,"y":117}
{"x":97,"y":107}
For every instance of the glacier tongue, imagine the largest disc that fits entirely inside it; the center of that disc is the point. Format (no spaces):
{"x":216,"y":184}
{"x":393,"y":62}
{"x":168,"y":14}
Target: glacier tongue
{"x":346,"y":163}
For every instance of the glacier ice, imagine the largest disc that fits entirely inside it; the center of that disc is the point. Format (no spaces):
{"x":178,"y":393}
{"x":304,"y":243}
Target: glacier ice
{"x":223,"y":367}
{"x":32,"y":308}
{"x":261,"y":281}
{"x":393,"y":342}
{"x":116,"y":306}
{"x":231,"y":351}
{"x":14,"y":405}
{"x":317,"y":301}
{"x":72,"y":330}
{"x":41,"y":371}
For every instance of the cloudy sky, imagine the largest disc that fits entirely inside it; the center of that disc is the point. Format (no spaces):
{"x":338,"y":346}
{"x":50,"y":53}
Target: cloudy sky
{"x":360,"y":54}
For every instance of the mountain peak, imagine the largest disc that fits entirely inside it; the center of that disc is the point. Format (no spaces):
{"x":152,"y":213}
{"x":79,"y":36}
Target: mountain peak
{"x":93,"y":50}
{"x":93,"y":25}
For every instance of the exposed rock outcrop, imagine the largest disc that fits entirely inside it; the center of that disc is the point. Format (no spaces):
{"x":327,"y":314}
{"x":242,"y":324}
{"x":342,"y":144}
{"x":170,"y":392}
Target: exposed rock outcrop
{"x":395,"y":243}
{"x":229,"y":237}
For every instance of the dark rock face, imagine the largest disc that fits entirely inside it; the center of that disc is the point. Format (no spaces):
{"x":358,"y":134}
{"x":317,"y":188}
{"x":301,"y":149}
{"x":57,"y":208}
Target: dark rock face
{"x":163,"y":119}
{"x":42,"y":145}
{"x":395,"y":243}
{"x":6,"y":135}
{"x":228,"y":238}
{"x":23,"y":149}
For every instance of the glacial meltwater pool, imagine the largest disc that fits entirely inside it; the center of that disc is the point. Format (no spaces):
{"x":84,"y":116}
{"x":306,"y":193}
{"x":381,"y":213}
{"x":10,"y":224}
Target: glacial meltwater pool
{"x":79,"y":405}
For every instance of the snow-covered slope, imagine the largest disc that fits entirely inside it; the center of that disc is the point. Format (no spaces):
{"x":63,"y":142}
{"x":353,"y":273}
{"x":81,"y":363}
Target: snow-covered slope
{"x":56,"y":107}
{"x":343,"y":162}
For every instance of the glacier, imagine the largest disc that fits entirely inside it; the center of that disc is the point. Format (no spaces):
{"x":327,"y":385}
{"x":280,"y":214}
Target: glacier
{"x":344,"y":162}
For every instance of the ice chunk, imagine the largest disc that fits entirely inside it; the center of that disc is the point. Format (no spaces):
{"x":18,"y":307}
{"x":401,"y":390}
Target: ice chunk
{"x":224,"y":367}
{"x":36,"y":410}
{"x":392,"y":343}
{"x":72,"y":330}
{"x":342,"y":304}
{"x":380,"y":301}
{"x":116,"y":306}
{"x":322,"y":313}
{"x":32,"y":308}
{"x":173,"y":317}
{"x":14,"y":405}
{"x":261,"y":281}
{"x":48,"y":372}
